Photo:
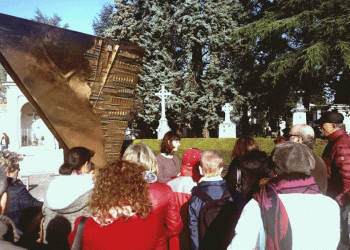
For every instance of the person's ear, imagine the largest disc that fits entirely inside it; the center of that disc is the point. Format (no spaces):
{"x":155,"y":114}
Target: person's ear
{"x":86,"y":168}
{"x":4,"y":203}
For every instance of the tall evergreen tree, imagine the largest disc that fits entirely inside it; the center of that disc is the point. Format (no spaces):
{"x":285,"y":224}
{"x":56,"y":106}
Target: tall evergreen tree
{"x":55,"y":20}
{"x":293,"y":47}
{"x":188,"y":50}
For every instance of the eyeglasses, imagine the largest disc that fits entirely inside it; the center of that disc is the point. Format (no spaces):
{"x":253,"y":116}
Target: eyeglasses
{"x":290,"y":135}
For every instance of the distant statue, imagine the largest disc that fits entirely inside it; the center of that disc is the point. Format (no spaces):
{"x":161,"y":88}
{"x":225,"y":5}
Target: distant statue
{"x":7,"y":141}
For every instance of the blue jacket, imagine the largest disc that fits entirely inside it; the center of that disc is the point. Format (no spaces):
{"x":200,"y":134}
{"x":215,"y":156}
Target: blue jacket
{"x":20,"y":200}
{"x":215,"y":190}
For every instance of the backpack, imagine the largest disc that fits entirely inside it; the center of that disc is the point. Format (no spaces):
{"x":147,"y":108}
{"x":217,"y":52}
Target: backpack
{"x":217,"y":221}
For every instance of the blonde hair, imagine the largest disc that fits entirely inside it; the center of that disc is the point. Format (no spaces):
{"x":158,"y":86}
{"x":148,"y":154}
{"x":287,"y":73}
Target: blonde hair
{"x":141,"y":154}
{"x":211,"y":163}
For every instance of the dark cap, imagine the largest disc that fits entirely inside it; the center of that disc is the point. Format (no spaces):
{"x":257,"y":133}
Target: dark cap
{"x":291,"y":157}
{"x":330,"y":117}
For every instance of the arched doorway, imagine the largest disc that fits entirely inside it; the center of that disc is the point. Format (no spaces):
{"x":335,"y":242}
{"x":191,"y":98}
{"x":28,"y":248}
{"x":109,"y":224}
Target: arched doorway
{"x":28,"y":117}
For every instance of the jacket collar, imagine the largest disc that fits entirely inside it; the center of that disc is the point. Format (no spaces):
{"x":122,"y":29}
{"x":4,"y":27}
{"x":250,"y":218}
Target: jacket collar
{"x":211,"y":182}
{"x":336,"y":134}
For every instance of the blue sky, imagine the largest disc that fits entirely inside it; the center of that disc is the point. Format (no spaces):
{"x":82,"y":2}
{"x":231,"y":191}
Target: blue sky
{"x":77,"y":13}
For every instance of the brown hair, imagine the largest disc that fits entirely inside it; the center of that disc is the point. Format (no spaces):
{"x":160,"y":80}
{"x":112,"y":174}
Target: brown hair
{"x":118,"y":185}
{"x":244,"y":145}
{"x":211,"y":162}
{"x":167,"y":142}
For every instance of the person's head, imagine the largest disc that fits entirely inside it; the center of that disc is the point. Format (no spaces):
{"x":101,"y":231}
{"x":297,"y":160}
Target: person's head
{"x":120,"y":189}
{"x":244,"y":145}
{"x":143,"y":155}
{"x":292,"y":157}
{"x":170,"y":143}
{"x":302,"y":133}
{"x":9,"y":162}
{"x":330,"y":122}
{"x":4,"y":197}
{"x":211,"y":163}
{"x":79,"y":160}
{"x":191,"y":159}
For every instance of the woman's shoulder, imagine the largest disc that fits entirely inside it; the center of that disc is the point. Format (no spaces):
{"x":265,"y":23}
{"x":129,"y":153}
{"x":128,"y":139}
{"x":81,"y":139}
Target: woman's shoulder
{"x":160,"y":191}
{"x":160,"y":187}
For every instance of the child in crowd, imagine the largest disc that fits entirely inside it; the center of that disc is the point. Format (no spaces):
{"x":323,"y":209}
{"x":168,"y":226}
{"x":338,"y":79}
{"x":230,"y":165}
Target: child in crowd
{"x":168,"y":163}
{"x":182,"y":186}
{"x":212,"y":184}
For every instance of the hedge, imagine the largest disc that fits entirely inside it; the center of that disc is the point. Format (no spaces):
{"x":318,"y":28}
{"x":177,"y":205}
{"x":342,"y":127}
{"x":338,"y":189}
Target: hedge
{"x":223,"y":145}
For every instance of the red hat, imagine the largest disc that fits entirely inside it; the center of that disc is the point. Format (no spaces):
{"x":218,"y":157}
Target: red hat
{"x":191,"y":157}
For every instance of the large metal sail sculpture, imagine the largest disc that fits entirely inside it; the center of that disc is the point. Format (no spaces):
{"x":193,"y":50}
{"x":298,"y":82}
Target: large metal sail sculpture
{"x":82,"y":86}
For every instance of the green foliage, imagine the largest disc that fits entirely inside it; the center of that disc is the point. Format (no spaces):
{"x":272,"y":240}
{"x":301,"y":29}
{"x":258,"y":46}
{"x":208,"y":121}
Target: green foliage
{"x":224,"y":146}
{"x":187,"y":49}
{"x":55,"y":20}
{"x":103,"y":22}
{"x":292,"y":46}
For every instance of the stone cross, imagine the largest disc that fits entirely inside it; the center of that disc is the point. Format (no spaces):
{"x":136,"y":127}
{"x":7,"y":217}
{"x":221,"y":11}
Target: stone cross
{"x":227,"y":109}
{"x":163,"y":94}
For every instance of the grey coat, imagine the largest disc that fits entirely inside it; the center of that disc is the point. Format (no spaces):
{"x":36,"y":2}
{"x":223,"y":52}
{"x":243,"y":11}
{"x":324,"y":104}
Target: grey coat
{"x":8,"y":234}
{"x":59,"y":223}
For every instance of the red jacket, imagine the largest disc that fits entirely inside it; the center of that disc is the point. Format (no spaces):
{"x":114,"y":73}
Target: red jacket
{"x":135,"y":233}
{"x":337,"y":158}
{"x":182,"y":186}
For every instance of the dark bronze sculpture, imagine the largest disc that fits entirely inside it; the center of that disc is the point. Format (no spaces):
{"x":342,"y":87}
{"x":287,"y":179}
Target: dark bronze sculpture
{"x":82,"y":86}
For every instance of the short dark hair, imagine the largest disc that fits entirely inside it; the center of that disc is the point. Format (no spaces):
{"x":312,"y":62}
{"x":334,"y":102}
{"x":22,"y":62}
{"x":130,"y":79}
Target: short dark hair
{"x":76,"y":158}
{"x":167,"y":142}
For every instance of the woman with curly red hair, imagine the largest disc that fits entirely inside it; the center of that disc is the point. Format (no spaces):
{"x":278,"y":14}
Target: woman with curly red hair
{"x":121,"y":211}
{"x":162,"y":197}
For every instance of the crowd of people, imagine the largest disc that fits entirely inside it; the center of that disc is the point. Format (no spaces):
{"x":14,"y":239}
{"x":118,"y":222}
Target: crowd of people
{"x":290,"y":199}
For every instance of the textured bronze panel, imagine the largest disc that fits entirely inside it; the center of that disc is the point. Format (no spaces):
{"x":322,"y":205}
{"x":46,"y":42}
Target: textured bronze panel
{"x":82,"y":86}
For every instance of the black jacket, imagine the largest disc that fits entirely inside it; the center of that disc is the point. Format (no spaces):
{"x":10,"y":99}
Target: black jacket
{"x":254,"y":166}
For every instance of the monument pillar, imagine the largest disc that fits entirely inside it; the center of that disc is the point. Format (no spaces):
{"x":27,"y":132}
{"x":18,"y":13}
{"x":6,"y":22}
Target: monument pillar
{"x":299,"y":113}
{"x":227,"y":129}
{"x":163,"y":127}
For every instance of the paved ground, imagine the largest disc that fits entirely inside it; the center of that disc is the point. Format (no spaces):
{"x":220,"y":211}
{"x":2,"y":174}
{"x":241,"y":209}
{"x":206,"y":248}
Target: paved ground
{"x":38,"y":185}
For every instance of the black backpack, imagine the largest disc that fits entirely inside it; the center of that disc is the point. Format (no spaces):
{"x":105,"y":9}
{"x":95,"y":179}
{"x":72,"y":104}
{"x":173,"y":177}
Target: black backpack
{"x":217,"y":221}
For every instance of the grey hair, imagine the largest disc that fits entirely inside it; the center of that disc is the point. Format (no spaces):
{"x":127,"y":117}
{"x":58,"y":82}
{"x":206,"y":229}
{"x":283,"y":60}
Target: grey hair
{"x":9,"y":161}
{"x":3,"y":182}
{"x":340,"y":126}
{"x":308,"y":137}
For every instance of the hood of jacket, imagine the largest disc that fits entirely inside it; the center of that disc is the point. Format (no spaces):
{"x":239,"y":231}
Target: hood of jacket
{"x":69,"y":193}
